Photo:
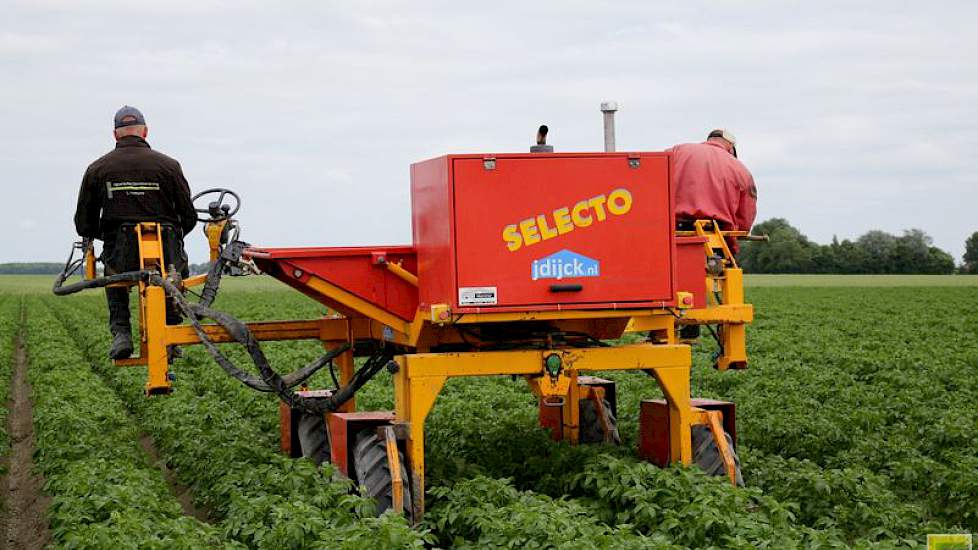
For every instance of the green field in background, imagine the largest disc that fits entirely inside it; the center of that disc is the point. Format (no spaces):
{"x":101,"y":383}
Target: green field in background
{"x":42,"y":283}
{"x":861,"y":280}
{"x":32,"y":284}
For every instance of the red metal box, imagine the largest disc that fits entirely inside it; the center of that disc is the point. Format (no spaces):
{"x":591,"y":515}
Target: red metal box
{"x":691,"y":268}
{"x":544,"y":231}
{"x":653,"y":426}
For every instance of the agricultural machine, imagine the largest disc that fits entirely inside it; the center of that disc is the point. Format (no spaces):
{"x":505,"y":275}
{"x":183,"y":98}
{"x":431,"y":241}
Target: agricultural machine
{"x":527,"y":265}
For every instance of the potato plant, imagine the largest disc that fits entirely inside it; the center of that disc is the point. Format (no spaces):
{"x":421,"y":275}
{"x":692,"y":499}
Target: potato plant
{"x":208,"y":432}
{"x":871,"y":391}
{"x":856,"y":429}
{"x":104,"y":492}
{"x":482,"y":512}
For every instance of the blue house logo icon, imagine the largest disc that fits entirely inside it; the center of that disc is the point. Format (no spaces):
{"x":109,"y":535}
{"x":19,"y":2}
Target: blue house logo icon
{"x":565,"y":265}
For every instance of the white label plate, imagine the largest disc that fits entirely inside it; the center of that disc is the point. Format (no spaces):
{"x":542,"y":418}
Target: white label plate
{"x":477,"y":295}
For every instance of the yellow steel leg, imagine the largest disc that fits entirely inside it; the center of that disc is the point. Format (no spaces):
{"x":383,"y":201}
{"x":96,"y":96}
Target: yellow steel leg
{"x":421,"y":376}
{"x":715,"y":419}
{"x":154,"y":301}
{"x":733,"y":286}
{"x":734,"y":334}
{"x":571,"y":410}
{"x":596,"y":394}
{"x":734,"y":340}
{"x":394,"y":464}
{"x":413,"y":399}
{"x":674,"y":382}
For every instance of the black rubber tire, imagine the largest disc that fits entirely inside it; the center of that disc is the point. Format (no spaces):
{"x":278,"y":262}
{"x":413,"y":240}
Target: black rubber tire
{"x":592,"y":430}
{"x":706,"y":455}
{"x":313,"y":439}
{"x":372,"y":472}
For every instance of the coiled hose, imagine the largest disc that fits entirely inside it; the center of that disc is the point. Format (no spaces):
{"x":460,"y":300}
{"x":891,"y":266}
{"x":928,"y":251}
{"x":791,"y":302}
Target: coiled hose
{"x":269,"y":380}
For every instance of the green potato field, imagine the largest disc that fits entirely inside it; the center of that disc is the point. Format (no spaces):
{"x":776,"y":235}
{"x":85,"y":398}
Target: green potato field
{"x":857,"y":428}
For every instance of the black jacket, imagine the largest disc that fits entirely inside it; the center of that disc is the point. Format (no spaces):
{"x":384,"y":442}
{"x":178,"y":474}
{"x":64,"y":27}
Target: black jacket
{"x":133,"y":183}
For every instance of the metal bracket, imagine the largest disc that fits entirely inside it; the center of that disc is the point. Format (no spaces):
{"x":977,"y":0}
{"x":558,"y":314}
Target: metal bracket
{"x":394,"y":463}
{"x":596,"y":395}
{"x":634,"y":162}
{"x":489,"y":163}
{"x":714,"y":421}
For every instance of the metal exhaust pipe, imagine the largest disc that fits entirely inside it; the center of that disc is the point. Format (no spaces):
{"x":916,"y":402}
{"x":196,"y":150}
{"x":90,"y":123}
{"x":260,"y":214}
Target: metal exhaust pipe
{"x":541,"y":146}
{"x":609,"y":108}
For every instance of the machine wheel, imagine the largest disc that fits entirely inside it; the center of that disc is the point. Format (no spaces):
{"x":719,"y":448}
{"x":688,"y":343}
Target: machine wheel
{"x":373,"y":472}
{"x":706,"y":455}
{"x":592,"y":429}
{"x":313,"y":439}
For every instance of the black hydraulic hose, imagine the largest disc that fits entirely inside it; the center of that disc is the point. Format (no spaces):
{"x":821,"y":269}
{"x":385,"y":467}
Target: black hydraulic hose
{"x":213,"y":281}
{"x":72,"y":265}
{"x":127,"y":277}
{"x":271,"y":381}
{"x":369,"y":369}
{"x":239,"y":331}
{"x":716,"y":337}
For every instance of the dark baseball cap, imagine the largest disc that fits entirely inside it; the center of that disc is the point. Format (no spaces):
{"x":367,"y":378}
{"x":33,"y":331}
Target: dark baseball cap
{"x":128,"y":116}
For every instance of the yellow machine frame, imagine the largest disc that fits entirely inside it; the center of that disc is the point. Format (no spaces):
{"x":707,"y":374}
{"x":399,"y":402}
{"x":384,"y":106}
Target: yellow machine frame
{"x":421,"y":376}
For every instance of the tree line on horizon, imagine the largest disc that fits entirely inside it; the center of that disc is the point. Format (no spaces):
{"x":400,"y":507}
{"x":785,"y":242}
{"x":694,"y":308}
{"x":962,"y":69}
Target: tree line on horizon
{"x":875,"y":252}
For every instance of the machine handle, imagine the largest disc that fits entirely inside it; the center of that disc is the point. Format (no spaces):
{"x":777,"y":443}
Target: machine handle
{"x":566,"y":288}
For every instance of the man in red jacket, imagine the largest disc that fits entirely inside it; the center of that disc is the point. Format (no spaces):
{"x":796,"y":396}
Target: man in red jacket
{"x":710,"y":183}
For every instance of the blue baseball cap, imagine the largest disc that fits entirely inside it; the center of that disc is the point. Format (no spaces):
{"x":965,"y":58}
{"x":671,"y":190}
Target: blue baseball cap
{"x":128,"y":116}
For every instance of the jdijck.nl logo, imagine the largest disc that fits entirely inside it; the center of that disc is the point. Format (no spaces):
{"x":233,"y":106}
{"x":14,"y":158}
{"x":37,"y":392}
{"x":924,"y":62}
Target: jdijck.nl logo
{"x":565,"y":265}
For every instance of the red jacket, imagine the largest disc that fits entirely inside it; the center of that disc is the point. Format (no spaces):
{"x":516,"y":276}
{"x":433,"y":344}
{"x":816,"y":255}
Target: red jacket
{"x":709,"y":182}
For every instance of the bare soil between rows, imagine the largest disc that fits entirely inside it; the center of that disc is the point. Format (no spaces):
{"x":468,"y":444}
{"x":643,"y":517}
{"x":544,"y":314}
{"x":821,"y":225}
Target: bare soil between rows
{"x":183,"y":494}
{"x":25,"y":521}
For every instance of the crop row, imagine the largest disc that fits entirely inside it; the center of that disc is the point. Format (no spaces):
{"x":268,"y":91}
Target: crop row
{"x":679,"y":506}
{"x":856,"y":412}
{"x":875,"y":390}
{"x":206,"y":431}
{"x":255,"y":423}
{"x":482,"y":512}
{"x":104,"y":492}
{"x":9,"y":323}
{"x":488,"y":426}
{"x":855,"y":429}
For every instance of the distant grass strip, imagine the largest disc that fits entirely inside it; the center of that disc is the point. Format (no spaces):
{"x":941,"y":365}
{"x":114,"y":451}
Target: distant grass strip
{"x":754,"y":280}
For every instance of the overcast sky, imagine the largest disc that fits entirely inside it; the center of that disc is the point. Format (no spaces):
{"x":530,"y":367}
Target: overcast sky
{"x":851,"y":115}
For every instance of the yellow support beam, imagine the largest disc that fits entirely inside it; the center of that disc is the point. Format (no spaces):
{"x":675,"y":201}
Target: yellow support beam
{"x":268,"y":330}
{"x":421,"y":376}
{"x":742,"y":313}
{"x":653,"y":322}
{"x":196,"y":280}
{"x":404,"y":274}
{"x":355,"y":303}
{"x":556,"y":315}
{"x":529,"y":362}
{"x":674,"y":381}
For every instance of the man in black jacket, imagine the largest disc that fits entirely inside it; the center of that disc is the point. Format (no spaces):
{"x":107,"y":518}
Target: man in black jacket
{"x":132,"y":184}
